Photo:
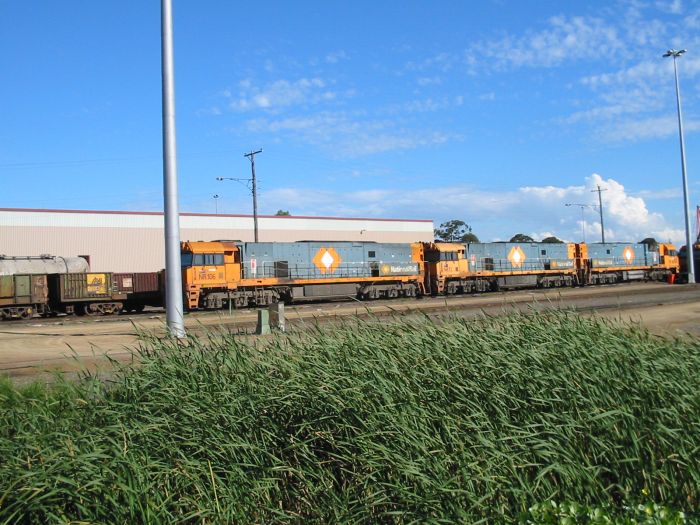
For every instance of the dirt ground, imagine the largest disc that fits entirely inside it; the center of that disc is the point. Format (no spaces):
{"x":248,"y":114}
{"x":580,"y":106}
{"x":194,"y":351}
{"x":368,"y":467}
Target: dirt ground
{"x":28,"y":348}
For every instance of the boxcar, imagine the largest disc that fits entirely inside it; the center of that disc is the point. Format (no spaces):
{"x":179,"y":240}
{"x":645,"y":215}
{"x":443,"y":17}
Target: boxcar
{"x":137,"y":290}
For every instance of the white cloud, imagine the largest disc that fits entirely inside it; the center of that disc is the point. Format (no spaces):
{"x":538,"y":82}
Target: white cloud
{"x":278,"y":94}
{"x":429,"y":81}
{"x":671,"y":6}
{"x":668,"y":193}
{"x":495,"y":215}
{"x":646,"y":128}
{"x":210,"y":111}
{"x":336,"y":56}
{"x":349,"y":134}
{"x":564,"y":39}
{"x":431,"y":104}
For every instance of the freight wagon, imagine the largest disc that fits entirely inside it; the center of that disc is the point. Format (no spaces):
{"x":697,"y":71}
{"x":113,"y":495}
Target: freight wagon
{"x":138,"y":290}
{"x":82,"y":294}
{"x":22,"y":296}
{"x":41,"y":264}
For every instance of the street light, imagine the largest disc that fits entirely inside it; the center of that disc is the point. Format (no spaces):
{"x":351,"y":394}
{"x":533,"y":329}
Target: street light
{"x":583,"y":220}
{"x":173,"y":275}
{"x":216,"y":203}
{"x":253,"y":188}
{"x":686,"y":213}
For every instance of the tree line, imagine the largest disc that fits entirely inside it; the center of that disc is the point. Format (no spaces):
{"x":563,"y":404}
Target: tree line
{"x":459,"y":231}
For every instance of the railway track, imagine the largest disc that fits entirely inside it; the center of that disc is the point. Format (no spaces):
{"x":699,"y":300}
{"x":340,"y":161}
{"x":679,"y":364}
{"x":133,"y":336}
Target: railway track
{"x":70,"y":343}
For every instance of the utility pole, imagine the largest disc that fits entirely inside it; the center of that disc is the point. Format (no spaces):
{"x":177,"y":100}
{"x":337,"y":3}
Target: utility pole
{"x":600,"y":207}
{"x":251,"y":156}
{"x":253,"y":187}
{"x":173,"y":292}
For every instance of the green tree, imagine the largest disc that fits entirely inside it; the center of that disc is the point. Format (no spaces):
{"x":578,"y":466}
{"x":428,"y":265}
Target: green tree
{"x":455,"y":231}
{"x":521,"y":237}
{"x":552,"y":240}
{"x":282,"y":213}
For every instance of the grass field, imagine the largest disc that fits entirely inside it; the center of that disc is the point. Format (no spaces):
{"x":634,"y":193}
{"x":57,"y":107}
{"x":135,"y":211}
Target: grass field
{"x":401,"y":421}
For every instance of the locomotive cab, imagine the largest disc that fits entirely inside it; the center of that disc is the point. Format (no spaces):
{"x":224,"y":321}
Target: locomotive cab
{"x":209,"y":267}
{"x":668,"y":257}
{"x":444,"y":261}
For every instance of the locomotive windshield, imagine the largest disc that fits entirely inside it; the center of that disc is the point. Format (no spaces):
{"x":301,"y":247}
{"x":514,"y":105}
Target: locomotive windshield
{"x":202,"y":259}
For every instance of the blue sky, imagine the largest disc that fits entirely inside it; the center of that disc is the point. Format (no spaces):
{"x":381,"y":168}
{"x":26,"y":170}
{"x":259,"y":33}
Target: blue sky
{"x":497,"y":113}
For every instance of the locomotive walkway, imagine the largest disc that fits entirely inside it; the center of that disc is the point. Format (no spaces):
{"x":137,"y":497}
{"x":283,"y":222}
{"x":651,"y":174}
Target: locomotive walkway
{"x":70,"y":343}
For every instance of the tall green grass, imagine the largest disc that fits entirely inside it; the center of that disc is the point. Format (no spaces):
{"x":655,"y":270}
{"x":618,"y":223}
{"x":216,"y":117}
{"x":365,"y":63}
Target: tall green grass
{"x":408,"y":421}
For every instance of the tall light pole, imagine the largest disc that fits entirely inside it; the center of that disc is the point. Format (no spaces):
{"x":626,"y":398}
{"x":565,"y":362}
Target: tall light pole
{"x":173,"y":294}
{"x":583,"y":220}
{"x":216,"y":204}
{"x":689,"y":250}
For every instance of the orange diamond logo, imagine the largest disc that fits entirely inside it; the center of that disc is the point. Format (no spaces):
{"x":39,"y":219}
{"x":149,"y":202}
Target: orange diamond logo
{"x":516,"y":257}
{"x":327,"y":260}
{"x":628,"y":254}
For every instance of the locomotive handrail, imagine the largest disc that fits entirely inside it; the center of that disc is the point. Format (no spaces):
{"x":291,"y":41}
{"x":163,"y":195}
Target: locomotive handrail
{"x":266,"y":269}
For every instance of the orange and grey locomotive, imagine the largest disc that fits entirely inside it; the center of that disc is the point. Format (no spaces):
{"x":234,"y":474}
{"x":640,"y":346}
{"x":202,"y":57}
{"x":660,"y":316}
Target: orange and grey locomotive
{"x":227,"y":273}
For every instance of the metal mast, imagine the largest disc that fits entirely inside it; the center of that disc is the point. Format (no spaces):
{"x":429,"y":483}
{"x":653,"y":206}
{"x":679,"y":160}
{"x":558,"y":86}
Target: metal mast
{"x":686,"y":213}
{"x":600,"y":207}
{"x":173,"y":298}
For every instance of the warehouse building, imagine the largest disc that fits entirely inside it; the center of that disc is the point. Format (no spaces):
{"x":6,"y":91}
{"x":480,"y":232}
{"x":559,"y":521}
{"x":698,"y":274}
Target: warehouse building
{"x":122,"y":241}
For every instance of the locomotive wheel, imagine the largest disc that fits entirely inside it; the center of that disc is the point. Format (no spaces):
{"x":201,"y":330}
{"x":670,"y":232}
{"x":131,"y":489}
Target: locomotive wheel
{"x":26,"y":313}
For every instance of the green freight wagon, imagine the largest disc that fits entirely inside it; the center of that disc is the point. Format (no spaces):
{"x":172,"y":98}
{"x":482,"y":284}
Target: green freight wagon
{"x":83,"y":294}
{"x":21,"y":296}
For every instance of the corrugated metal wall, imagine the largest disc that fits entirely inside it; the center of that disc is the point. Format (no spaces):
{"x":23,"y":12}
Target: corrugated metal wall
{"x":133,"y":242}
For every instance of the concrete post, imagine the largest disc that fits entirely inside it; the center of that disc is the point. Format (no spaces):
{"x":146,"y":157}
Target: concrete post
{"x":277,"y":320}
{"x":263,"y":326}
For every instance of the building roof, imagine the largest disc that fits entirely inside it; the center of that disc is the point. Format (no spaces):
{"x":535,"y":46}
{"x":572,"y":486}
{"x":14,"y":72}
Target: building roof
{"x":192,"y":214}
